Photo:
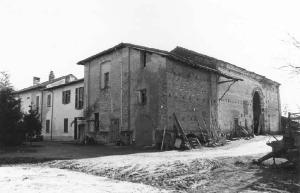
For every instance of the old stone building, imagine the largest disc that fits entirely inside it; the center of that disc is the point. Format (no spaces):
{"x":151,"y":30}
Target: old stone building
{"x":131,"y":93}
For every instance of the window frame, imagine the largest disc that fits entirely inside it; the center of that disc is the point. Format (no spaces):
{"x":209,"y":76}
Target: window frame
{"x":97,"y":121}
{"x":37,"y":102}
{"x":66,"y":125}
{"x":79,"y":97}
{"x":49,"y":100}
{"x":142,"y":97}
{"x":106,"y":79}
{"x":143,"y":59}
{"x":66,"y":97}
{"x":47,"y":126}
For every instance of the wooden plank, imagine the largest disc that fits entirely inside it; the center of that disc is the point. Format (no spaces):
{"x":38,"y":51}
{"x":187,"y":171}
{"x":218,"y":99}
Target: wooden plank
{"x":163,"y":139}
{"x":183,"y":133}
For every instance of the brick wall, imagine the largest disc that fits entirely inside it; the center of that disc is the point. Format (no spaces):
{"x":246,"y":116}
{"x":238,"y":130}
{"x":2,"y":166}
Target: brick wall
{"x":121,"y":96}
{"x":191,"y":93}
{"x":238,"y":101}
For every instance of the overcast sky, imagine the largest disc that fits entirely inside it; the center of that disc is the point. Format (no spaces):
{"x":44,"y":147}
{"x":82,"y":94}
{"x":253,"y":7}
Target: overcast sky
{"x":37,"y":36}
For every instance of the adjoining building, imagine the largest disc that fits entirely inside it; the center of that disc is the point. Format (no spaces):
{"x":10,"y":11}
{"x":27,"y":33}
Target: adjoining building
{"x":59,"y":102}
{"x":131,"y":93}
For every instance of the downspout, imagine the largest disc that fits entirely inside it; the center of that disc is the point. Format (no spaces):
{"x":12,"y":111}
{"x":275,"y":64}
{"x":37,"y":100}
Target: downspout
{"x":42,"y":102}
{"x":52,"y":112}
{"x":121,"y":102}
{"x":279,"y":110}
{"x":87,"y":99}
{"x":210,"y":101}
{"x":129,"y":77}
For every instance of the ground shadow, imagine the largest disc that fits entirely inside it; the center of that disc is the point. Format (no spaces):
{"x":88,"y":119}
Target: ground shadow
{"x":276,"y":179}
{"x":46,"y":151}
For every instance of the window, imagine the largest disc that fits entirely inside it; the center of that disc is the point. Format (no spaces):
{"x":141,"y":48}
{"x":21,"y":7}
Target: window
{"x":66,"y":95}
{"x":143,"y":59}
{"x":65,"y":125}
{"x":96,"y":115}
{"x":79,"y":98}
{"x":49,"y":100}
{"x":106,"y":79}
{"x":105,"y":73}
{"x":37,"y":102}
{"x":142,"y":97}
{"x":47,"y":126}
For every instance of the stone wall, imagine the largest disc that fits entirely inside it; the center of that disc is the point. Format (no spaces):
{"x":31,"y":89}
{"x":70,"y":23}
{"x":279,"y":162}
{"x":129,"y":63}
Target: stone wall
{"x":191,"y":95}
{"x":105,"y":101}
{"x":237,"y":103}
{"x":145,"y":119}
{"x":119,"y":101}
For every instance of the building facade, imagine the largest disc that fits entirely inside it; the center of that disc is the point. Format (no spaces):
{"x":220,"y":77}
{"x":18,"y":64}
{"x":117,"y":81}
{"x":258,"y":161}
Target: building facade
{"x":59,"y":102}
{"x":132,"y":92}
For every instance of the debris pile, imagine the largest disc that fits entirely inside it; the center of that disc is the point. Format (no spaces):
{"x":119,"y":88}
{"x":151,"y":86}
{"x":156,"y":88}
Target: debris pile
{"x":179,"y":176}
{"x":289,"y":146}
{"x":207,"y":135}
{"x":240,"y":132}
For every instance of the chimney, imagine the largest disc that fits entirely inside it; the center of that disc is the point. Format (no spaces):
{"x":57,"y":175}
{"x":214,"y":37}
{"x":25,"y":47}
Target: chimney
{"x":51,"y":76}
{"x":36,"y":80}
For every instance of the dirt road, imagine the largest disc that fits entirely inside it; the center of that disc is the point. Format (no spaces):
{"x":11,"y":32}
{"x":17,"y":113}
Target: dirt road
{"x":222,"y":169}
{"x":51,"y":180}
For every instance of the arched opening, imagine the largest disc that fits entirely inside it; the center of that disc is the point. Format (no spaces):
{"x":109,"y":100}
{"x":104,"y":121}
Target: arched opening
{"x":256,"y":113}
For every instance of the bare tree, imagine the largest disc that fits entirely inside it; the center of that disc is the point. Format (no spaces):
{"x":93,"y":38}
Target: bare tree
{"x":294,"y":69}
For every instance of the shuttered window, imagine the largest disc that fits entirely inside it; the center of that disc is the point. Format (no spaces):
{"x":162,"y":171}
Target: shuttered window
{"x":49,"y":100}
{"x":47,"y":126}
{"x":66,"y":125}
{"x":79,"y":98}
{"x":37,"y":103}
{"x":66,"y":95}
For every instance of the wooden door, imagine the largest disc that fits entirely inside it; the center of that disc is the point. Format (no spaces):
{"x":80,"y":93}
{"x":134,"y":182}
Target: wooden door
{"x":114,"y":128}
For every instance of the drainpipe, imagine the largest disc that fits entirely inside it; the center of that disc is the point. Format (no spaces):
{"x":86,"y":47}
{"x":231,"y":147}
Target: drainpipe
{"x":42,"y":102}
{"x":87,"y":99}
{"x":129,"y":78}
{"x":121,"y":107}
{"x":52,"y":112}
{"x":279,"y":110}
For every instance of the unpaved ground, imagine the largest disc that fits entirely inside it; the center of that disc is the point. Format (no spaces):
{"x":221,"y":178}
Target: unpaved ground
{"x":221,"y":169}
{"x":51,"y":180}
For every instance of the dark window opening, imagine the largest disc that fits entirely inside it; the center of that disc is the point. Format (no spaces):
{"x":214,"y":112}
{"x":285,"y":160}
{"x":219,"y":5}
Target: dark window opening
{"x":257,"y":114}
{"x":96,"y":115}
{"x":37,"y":103}
{"x":47,"y":126}
{"x":79,"y":98}
{"x":49,"y":100}
{"x":142,"y":100}
{"x":66,"y":96}
{"x":236,"y":124}
{"x":65,"y":125}
{"x":106,"y":79}
{"x":143,"y":59}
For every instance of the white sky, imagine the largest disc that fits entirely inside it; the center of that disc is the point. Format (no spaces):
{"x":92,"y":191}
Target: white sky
{"x":37,"y":36}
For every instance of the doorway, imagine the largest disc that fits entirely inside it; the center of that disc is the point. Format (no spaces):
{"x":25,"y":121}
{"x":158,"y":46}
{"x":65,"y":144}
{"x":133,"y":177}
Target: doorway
{"x":114,"y":127}
{"x":256,"y":113}
{"x":81,"y":132}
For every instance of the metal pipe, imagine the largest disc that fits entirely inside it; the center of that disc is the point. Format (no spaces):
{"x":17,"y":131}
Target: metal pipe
{"x":52,"y":112}
{"x":121,"y":107}
{"x":129,"y":80}
{"x":42,"y":102}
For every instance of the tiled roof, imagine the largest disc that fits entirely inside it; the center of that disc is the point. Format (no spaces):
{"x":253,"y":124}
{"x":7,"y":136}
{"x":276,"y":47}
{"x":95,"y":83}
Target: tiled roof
{"x":66,"y":84}
{"x":41,"y":85}
{"x":195,"y":57}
